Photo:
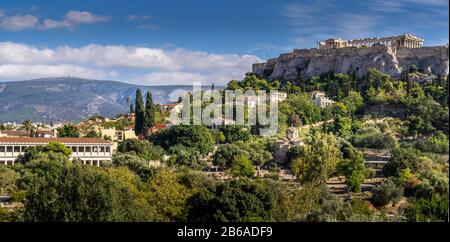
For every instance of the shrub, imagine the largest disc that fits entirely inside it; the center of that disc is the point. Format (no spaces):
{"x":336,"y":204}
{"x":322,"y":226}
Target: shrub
{"x":387,"y":192}
{"x":370,"y":173}
{"x":427,"y":210}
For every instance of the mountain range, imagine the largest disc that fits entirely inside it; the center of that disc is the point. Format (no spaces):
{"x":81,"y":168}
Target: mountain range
{"x":73,"y":99}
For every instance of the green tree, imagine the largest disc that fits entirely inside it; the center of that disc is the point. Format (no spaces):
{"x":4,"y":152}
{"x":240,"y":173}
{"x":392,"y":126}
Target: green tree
{"x":191,"y":136}
{"x":354,"y":101}
{"x":352,"y":167}
{"x":389,"y":191}
{"x":241,"y":166}
{"x":240,"y":200}
{"x":8,"y":179}
{"x":59,"y":190}
{"x":150,"y":112}
{"x":57,"y":147}
{"x":259,"y":151}
{"x":182,"y":156}
{"x":139,"y":127}
{"x":92,"y":133}
{"x":301,"y":105}
{"x":225,"y":155}
{"x":53,"y":150}
{"x":128,"y":100}
{"x":342,"y":127}
{"x":319,"y":158}
{"x":68,"y":131}
{"x":142,"y":148}
{"x":235,"y":133}
{"x":402,"y":158}
{"x":167,"y":197}
{"x":428,"y":210}
{"x":135,"y":164}
{"x":28,"y":126}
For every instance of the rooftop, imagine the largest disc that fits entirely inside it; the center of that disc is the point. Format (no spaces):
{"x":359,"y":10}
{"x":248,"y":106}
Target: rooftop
{"x":60,"y":140}
{"x":14,"y":132}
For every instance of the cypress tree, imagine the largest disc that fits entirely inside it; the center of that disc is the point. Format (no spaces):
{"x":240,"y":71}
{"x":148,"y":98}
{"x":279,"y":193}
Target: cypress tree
{"x":408,"y":83}
{"x":139,"y":114}
{"x":149,"y":116}
{"x":131,"y":108}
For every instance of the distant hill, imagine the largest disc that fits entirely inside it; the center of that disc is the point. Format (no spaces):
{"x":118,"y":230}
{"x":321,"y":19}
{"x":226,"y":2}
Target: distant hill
{"x":72,"y":99}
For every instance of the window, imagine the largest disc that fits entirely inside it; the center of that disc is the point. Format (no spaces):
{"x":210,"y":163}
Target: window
{"x":74,"y":149}
{"x":17,"y":149}
{"x":88,"y":149}
{"x":24,"y":148}
{"x":119,"y":136}
{"x":81,"y":149}
{"x":95,"y":149}
{"x":102,"y":149}
{"x":9,"y":148}
{"x":2,"y":149}
{"x":108,"y":149}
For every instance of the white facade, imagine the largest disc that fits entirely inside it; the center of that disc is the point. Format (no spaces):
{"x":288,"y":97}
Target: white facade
{"x":252,"y":101}
{"x":46,"y":133}
{"x":91,"y":151}
{"x":319,"y":99}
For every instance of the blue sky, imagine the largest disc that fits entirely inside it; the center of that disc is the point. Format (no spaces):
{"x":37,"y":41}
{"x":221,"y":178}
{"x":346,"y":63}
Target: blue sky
{"x":177,"y":42}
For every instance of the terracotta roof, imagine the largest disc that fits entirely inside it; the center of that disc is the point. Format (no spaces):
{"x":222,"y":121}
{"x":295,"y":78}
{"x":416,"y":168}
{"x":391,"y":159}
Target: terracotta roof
{"x":157,"y":127}
{"x":160,"y":126}
{"x":14,"y":132}
{"x":60,"y":140}
{"x":44,"y":131}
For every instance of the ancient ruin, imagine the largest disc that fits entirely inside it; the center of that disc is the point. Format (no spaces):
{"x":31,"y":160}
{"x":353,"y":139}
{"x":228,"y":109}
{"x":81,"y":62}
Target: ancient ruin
{"x":390,"y":55}
{"x":405,"y":41}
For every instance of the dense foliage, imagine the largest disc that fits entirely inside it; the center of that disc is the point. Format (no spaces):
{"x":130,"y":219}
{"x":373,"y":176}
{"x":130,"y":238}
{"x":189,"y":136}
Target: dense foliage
{"x":163,"y":179}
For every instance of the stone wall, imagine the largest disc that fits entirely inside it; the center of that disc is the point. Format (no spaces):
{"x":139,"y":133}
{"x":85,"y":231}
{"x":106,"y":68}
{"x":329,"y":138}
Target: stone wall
{"x":308,"y":62}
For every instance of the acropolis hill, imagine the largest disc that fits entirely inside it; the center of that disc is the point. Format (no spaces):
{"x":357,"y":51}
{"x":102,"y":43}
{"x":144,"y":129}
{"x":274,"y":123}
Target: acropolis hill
{"x":390,"y":55}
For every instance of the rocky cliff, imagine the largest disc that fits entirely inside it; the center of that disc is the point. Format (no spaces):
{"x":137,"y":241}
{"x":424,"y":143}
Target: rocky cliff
{"x":305,"y":63}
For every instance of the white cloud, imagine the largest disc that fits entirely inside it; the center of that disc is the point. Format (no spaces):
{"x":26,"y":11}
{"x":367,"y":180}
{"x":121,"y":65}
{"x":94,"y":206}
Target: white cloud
{"x":69,"y":20}
{"x":18,"y":22}
{"x":174,"y":66}
{"x":20,"y":72}
{"x":135,"y":17}
{"x":73,"y":18}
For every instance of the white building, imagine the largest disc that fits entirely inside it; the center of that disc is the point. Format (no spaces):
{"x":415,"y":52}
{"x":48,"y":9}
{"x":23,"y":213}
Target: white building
{"x":91,"y":151}
{"x":252,"y":101}
{"x":117,"y":136}
{"x":319,"y":99}
{"x":282,"y":146}
{"x":40,"y":133}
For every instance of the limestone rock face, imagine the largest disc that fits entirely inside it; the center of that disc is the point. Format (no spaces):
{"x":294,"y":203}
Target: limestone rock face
{"x":308,"y":62}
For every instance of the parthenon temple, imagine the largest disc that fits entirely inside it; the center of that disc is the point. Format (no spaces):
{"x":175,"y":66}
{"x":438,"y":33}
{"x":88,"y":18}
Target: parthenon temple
{"x":405,"y":41}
